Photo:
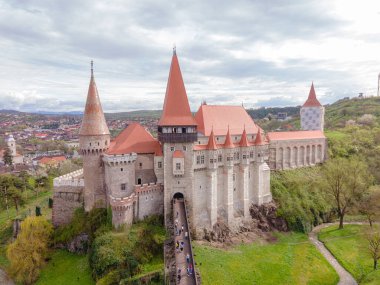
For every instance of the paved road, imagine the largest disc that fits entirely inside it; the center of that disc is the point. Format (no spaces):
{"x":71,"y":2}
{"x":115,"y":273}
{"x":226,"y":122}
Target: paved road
{"x":180,"y":255}
{"x":345,"y":278}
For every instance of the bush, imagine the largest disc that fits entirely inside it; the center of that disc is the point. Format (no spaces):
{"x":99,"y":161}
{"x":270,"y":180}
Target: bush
{"x":299,"y":200}
{"x":28,"y":252}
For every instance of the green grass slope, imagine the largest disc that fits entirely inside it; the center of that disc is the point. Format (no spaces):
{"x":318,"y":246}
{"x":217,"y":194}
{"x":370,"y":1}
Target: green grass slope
{"x":290,"y":260}
{"x":350,"y":248}
{"x":66,"y":268}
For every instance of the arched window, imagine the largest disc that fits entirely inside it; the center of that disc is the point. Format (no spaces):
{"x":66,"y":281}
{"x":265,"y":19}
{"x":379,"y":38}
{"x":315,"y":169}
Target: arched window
{"x":139,"y":181}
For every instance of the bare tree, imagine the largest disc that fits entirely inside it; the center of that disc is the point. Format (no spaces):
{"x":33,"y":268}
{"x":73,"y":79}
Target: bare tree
{"x":370,"y":205}
{"x":374,"y":246}
{"x":345,"y":181}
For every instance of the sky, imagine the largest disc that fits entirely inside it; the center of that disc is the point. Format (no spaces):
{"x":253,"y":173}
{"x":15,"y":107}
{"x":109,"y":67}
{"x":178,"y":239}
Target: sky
{"x":259,"y":53}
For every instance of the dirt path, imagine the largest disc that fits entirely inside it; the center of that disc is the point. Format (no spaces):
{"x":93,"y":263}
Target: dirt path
{"x":4,"y":279}
{"x":345,"y":278}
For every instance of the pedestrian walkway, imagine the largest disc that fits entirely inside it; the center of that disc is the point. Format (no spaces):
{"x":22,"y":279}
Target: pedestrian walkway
{"x":345,"y":278}
{"x":185,"y":271}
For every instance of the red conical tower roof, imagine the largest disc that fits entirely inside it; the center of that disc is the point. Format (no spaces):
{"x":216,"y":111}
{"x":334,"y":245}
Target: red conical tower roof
{"x":176,"y":111}
{"x":244,"y":140}
{"x":312,"y":100}
{"x":211,"y":142}
{"x":228,"y":143}
{"x":93,"y":122}
{"x":259,"y":139}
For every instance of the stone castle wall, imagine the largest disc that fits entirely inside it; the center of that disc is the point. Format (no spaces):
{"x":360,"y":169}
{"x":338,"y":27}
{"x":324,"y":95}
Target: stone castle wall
{"x":67,"y":197}
{"x":150,"y":200}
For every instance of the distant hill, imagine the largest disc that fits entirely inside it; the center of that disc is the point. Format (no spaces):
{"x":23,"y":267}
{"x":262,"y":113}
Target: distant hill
{"x":338,"y":113}
{"x":134,"y":114}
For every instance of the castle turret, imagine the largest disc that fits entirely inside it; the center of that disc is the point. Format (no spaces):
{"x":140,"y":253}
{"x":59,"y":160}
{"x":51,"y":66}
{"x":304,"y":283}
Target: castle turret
{"x":312,"y":113}
{"x":177,"y":131}
{"x":94,"y":140}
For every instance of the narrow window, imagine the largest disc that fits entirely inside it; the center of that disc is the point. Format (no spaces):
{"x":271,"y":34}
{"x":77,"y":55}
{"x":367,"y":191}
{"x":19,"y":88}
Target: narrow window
{"x":123,"y":186}
{"x":121,"y":169}
{"x":198,"y":159}
{"x":202,"y":159}
{"x":172,"y":148}
{"x":159,"y":164}
{"x":219,"y":158}
{"x":178,"y":166}
{"x":139,"y":181}
{"x":184,"y":148}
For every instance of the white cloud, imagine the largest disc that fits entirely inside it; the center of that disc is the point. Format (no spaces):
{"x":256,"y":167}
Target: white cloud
{"x":246,"y":51}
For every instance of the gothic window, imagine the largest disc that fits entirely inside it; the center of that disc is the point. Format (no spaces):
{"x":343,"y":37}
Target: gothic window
{"x":202,"y":159}
{"x":251,"y":154}
{"x":178,"y":166}
{"x":159,"y":164}
{"x":219,"y":158}
{"x":198,"y":159}
{"x":139,"y":181}
{"x":123,"y":186}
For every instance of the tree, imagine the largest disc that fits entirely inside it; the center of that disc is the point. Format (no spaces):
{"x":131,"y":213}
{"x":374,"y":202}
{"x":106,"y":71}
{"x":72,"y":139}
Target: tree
{"x":374,"y":246}
{"x":344,"y":182}
{"x":370,"y":206}
{"x":15,"y":197}
{"x":28,"y":252}
{"x":7,"y":157}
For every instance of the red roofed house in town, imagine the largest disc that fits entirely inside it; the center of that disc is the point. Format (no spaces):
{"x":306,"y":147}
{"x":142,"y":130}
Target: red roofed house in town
{"x":219,"y":160}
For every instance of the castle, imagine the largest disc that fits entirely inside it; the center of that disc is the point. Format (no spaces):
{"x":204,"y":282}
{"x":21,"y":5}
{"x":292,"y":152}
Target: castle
{"x":219,"y":160}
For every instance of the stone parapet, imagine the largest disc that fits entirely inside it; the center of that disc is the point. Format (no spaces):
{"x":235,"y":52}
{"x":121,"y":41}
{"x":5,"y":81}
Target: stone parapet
{"x":122,"y":203}
{"x":117,"y":159}
{"x":73,"y":179}
{"x":147,"y":188}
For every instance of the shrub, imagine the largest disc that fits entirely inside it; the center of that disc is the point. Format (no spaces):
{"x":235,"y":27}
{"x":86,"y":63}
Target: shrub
{"x":299,"y":200}
{"x":28,"y":252}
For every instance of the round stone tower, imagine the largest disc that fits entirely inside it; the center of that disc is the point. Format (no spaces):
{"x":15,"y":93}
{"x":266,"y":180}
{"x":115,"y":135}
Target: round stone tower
{"x":94,"y":140}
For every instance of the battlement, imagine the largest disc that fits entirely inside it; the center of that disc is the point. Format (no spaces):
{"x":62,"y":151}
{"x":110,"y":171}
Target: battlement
{"x":123,"y":203}
{"x":148,"y":188}
{"x":117,"y":159}
{"x":73,"y":179}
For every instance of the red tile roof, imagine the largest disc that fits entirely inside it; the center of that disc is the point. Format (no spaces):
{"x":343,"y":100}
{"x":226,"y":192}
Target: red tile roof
{"x":211,"y":142}
{"x":295,"y":135}
{"x":219,"y":118}
{"x":159,"y":150}
{"x":135,"y":138}
{"x":244,"y":140}
{"x":259,"y":139}
{"x":228,"y":142}
{"x":52,"y":159}
{"x":312,"y":100}
{"x":93,"y":122}
{"x":176,"y":110}
{"x":178,"y":154}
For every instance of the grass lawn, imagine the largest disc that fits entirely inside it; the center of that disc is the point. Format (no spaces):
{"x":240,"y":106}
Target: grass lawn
{"x":290,"y":260}
{"x":66,"y":268}
{"x":350,"y":248}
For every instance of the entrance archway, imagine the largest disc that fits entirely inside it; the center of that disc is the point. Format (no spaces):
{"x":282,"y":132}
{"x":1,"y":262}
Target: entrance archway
{"x":178,"y":195}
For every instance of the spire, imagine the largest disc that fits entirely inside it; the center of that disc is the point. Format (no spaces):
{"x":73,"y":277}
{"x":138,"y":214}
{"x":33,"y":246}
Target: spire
{"x":211,"y":142}
{"x":259,"y":140}
{"x":312,"y":100}
{"x":228,"y":143}
{"x":93,"y":122}
{"x":244,"y":139}
{"x":176,"y":110}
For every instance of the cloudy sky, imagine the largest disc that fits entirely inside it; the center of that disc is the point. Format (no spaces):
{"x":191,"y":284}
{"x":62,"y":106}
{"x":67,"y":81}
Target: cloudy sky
{"x":262,"y":53}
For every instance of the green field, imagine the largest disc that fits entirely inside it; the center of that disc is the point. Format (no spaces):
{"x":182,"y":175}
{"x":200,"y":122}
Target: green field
{"x":349,"y":246}
{"x":290,"y":260}
{"x":66,"y":268}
